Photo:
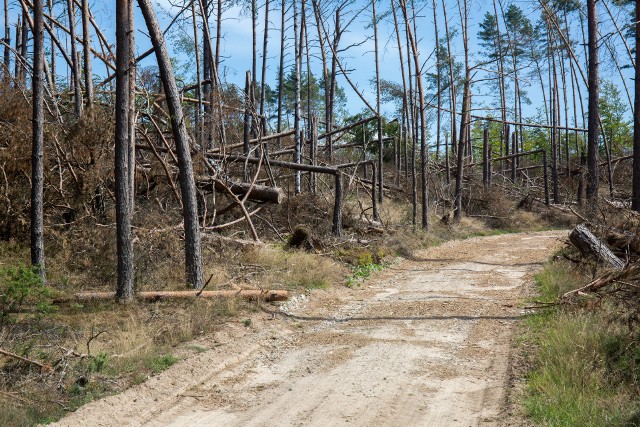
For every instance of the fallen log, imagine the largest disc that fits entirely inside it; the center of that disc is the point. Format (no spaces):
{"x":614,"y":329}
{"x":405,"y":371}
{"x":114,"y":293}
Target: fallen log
{"x":150,"y":296}
{"x":258,"y":193}
{"x":45,"y":368}
{"x":590,"y":245}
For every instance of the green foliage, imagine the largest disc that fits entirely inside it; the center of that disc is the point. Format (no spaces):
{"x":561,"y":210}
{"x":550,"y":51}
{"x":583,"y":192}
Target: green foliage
{"x":162,"y":362}
{"x":312,"y":96}
{"x":22,"y":287}
{"x":99,"y":362}
{"x":613,"y":112}
{"x":361,"y":272}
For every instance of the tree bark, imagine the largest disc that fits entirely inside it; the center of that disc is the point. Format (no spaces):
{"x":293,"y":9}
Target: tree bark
{"x":423,"y":121}
{"x":590,"y":245}
{"x":7,"y":38}
{"x":37,"y":149}
{"x":124,"y":290}
{"x":593,"y":125}
{"x":86,"y":42}
{"x":635,"y":193}
{"x":75,"y":69}
{"x":378,"y":101}
{"x":193,"y":251}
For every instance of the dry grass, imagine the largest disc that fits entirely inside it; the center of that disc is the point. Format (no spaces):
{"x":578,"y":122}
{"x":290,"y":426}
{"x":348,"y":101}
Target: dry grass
{"x":584,"y":361}
{"x":275,"y":267}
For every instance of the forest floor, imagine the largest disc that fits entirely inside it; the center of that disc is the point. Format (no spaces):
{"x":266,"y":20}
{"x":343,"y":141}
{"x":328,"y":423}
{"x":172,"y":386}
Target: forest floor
{"x":427,"y":341}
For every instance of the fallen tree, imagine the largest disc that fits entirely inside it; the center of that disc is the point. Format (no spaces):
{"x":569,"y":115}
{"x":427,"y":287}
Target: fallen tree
{"x":150,"y":296}
{"x":257,"y":193}
{"x":583,"y":239}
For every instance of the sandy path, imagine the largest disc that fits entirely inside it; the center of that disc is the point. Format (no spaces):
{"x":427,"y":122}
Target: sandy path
{"x":425,"y":344}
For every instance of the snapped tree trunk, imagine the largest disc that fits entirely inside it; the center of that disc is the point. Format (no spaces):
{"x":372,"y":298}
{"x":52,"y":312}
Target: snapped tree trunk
{"x":193,"y":250}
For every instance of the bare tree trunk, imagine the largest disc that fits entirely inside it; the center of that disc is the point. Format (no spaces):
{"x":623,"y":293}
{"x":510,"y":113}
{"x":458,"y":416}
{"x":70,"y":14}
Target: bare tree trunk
{"x":75,"y":69}
{"x":593,"y":125}
{"x":281,"y":69}
{"x":198,"y":122}
{"x":423,"y":121}
{"x":405,"y":103}
{"x":193,"y":251}
{"x":466,"y":114}
{"x":635,"y":192}
{"x":37,"y":148}
{"x":86,"y":41}
{"x":332,"y":85}
{"x":452,"y":86}
{"x":298,"y":71}
{"x":53,"y":55}
{"x":325,"y":70}
{"x":378,"y":102}
{"x":254,"y":40}
{"x":218,"y":34}
{"x":263,"y":77}
{"x":124,"y":247}
{"x":412,"y":131}
{"x":16,"y":66}
{"x":7,"y":39}
{"x":439,"y":83}
{"x":132,"y":111}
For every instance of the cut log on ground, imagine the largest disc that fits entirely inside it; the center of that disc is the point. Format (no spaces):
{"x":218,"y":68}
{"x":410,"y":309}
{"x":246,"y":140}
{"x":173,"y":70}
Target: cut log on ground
{"x":257,"y":294}
{"x":590,"y":245}
{"x":259,"y":193}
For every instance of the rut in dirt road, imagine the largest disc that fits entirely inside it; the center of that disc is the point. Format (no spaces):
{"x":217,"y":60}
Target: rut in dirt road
{"x":427,"y":343}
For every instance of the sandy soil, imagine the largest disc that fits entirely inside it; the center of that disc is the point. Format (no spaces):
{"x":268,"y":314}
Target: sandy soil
{"x":425,"y":343}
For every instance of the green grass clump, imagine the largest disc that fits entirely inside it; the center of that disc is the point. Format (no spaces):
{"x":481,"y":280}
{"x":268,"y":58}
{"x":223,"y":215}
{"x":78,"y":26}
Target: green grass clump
{"x":161,"y":362}
{"x":585,"y":366}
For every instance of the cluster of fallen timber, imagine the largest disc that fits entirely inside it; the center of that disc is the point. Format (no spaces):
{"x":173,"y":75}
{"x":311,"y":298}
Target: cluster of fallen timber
{"x":227,"y":155}
{"x":610,"y":249}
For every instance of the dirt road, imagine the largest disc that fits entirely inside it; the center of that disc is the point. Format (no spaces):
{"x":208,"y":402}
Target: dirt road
{"x":427,"y":343}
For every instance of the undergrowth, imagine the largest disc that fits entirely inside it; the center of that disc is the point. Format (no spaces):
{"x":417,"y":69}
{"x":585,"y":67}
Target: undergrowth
{"x":584,"y":363}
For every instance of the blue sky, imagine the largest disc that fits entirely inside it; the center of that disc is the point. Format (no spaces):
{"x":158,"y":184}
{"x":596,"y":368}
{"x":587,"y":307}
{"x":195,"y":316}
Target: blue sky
{"x":236,"y":45}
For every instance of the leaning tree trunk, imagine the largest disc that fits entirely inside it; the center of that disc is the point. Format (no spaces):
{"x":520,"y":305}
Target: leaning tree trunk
{"x":635,"y":199}
{"x":124,"y":247}
{"x":193,"y":251}
{"x":37,"y":153}
{"x":594,"y":113}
